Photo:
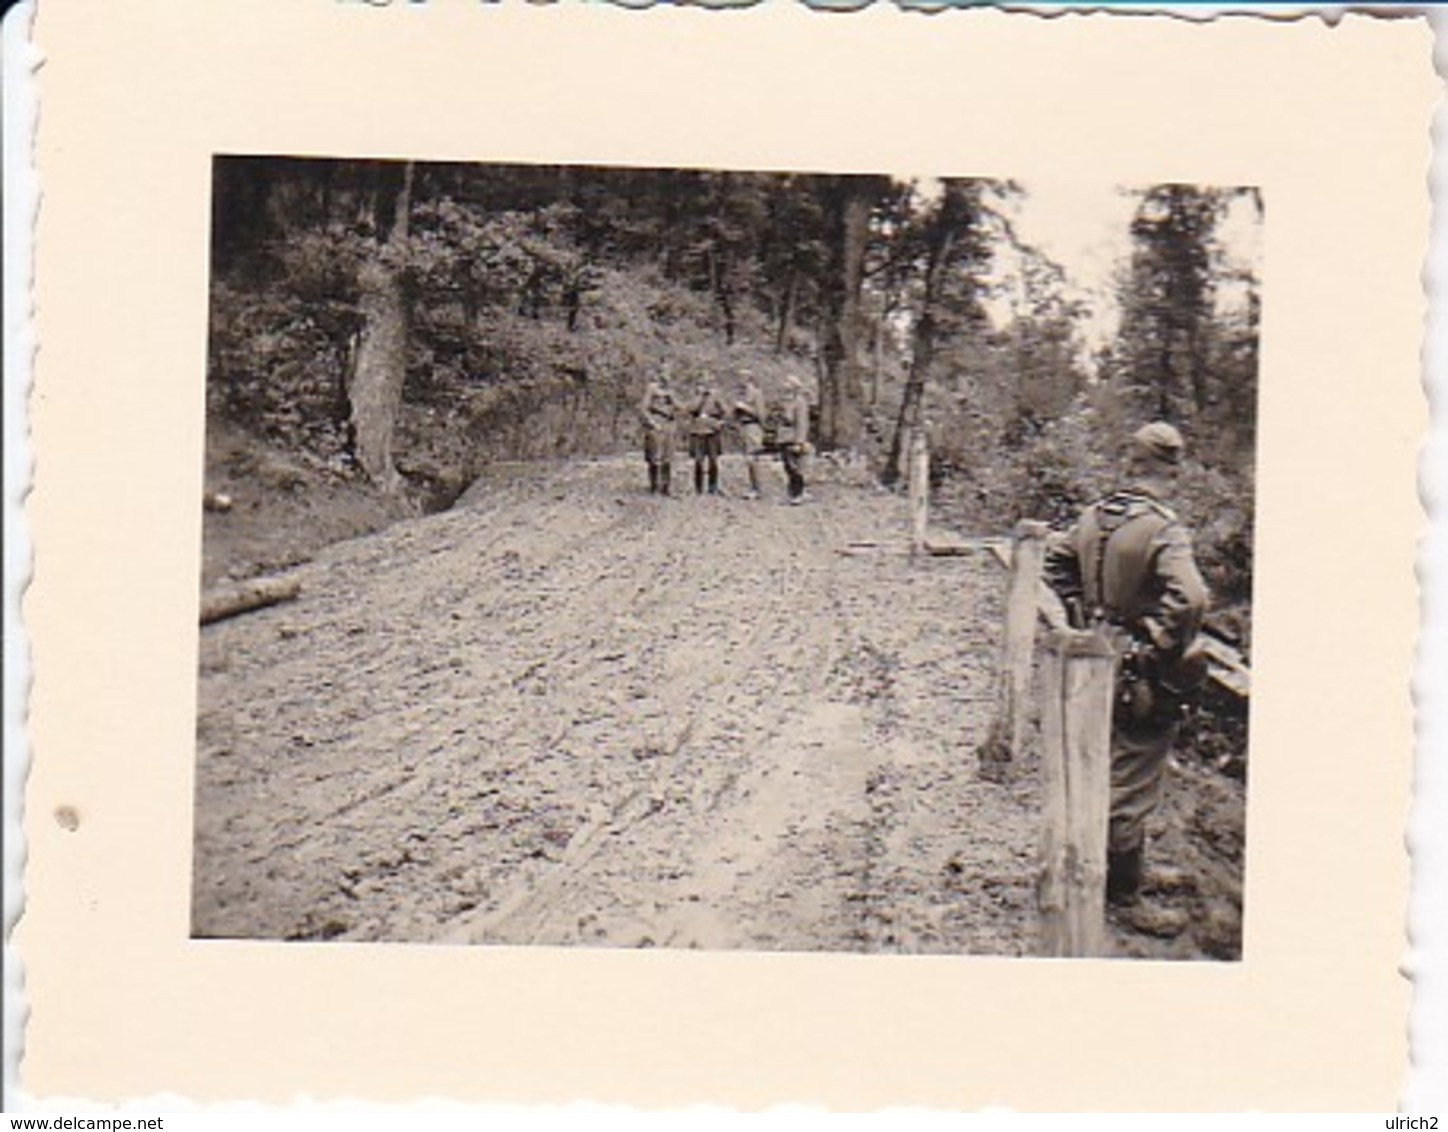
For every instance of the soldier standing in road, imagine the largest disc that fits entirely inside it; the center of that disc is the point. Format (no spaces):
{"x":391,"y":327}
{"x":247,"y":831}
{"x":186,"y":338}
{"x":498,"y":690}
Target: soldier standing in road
{"x":794,"y":436}
{"x":656,"y":412}
{"x":1127,"y":567}
{"x":706,"y":437}
{"x":749,"y":412}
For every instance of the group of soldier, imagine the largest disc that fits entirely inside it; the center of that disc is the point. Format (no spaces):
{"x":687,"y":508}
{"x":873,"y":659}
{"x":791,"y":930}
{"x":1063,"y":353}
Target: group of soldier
{"x":1125,"y":568}
{"x":703,"y":419}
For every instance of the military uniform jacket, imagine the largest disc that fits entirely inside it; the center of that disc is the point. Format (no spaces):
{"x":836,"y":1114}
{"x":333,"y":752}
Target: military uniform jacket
{"x":795,"y":430}
{"x":1128,"y":562}
{"x":658,"y":405}
{"x":709,"y":415}
{"x":749,"y":409}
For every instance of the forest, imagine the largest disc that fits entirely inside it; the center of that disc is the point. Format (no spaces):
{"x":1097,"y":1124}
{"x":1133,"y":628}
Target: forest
{"x":402,"y":325}
{"x":489,"y":690}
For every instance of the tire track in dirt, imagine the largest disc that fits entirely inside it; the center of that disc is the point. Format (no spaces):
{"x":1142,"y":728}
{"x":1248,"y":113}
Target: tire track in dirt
{"x":384,"y":666}
{"x":684,"y":776}
{"x":571,"y":713}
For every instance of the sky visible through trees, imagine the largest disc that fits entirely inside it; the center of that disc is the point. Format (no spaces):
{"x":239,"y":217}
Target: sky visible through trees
{"x":1085,"y":227}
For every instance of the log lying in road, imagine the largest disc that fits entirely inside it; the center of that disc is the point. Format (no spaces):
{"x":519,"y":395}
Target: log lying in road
{"x":932,"y":546}
{"x":242,"y":597}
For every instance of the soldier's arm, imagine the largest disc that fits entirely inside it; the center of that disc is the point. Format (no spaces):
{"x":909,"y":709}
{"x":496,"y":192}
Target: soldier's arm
{"x":1061,"y":567}
{"x":1183,"y":599}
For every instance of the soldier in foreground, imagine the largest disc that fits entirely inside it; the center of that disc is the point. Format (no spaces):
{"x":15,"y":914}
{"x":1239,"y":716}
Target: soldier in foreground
{"x":1127,"y":567}
{"x":656,"y":413}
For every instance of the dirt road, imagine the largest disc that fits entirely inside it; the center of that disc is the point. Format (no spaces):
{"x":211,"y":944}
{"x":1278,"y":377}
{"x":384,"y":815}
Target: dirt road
{"x":567,"y":712}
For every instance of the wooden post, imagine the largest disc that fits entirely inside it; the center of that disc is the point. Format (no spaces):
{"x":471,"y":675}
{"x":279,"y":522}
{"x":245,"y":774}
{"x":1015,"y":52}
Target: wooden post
{"x":919,"y":489}
{"x":1007,"y":735}
{"x":1078,"y":680}
{"x":1028,"y":549}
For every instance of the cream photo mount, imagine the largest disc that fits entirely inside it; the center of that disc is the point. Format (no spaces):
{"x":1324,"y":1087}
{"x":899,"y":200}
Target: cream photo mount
{"x":1331,"y":123}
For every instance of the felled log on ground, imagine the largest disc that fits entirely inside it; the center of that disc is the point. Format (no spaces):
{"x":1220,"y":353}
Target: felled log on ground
{"x":242,"y":597}
{"x":1225,"y":666}
{"x":865,"y":548}
{"x":933,"y":546}
{"x":952,"y":546}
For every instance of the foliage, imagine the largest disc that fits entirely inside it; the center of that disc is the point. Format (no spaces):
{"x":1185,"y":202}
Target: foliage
{"x":277,"y":363}
{"x":540,"y":299}
{"x":1049,"y":474}
{"x":1186,"y":350}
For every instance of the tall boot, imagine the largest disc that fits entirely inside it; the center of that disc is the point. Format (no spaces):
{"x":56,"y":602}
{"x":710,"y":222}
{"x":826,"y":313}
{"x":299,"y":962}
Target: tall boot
{"x":1123,"y":892}
{"x":653,"y":479}
{"x":1123,"y":875}
{"x":713,"y":477}
{"x":665,"y":472}
{"x":698,"y":477}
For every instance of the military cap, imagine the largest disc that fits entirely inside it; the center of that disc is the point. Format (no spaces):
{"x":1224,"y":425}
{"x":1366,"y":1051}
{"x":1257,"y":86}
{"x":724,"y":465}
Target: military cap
{"x":1160,"y":441}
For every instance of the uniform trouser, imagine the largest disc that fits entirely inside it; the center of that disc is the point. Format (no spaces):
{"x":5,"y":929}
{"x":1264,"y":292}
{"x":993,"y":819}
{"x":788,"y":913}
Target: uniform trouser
{"x":1138,"y":768}
{"x":753,"y":445}
{"x":794,"y":469}
{"x":705,"y":448}
{"x":659,"y":452}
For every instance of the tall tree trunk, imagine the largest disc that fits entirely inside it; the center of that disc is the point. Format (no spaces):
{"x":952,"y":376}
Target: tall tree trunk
{"x":877,"y":361}
{"x":719,"y":284}
{"x":726,"y":301}
{"x":841,"y":387}
{"x":1197,"y":370}
{"x":909,"y":416}
{"x":923,"y":349}
{"x":786,"y":312}
{"x":381,"y":363}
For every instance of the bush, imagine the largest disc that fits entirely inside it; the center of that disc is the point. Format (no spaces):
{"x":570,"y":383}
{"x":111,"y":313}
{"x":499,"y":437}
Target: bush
{"x":277,"y":369}
{"x":1217,"y":504}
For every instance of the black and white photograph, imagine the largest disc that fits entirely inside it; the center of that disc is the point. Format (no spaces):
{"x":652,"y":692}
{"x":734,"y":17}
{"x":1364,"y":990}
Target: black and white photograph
{"x":688,"y":558}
